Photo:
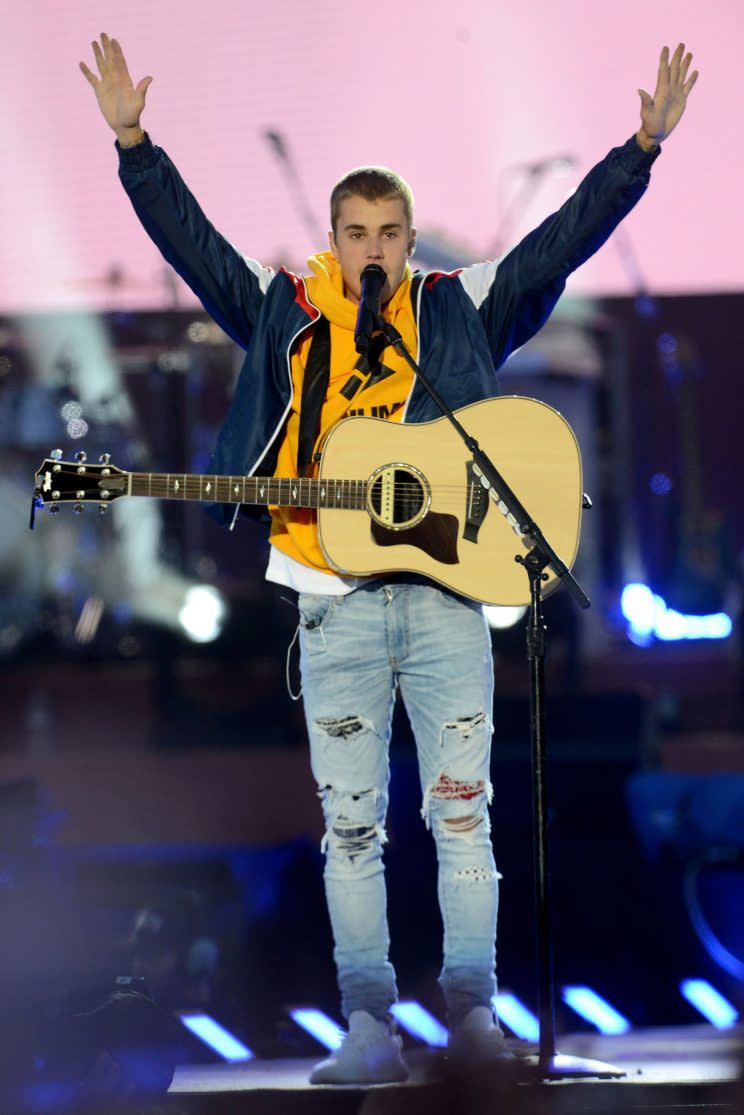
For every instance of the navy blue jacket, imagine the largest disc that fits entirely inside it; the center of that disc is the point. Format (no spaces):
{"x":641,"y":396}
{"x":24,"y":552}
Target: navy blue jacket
{"x":469,"y":321}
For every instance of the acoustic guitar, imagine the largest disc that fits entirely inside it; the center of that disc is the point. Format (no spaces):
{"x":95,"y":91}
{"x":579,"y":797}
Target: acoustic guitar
{"x":394,"y":497}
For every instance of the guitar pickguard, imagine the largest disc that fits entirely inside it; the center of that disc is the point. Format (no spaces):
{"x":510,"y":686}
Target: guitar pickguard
{"x":435,"y":534}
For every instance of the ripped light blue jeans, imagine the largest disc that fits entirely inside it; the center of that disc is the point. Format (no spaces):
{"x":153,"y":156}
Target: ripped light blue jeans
{"x":435,"y":646}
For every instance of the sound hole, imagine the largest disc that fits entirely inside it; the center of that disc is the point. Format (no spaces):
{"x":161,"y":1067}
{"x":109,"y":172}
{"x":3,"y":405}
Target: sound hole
{"x":397,"y":497}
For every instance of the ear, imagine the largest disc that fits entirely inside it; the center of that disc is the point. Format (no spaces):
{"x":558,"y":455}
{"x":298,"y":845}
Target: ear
{"x":332,"y":245}
{"x":412,"y":242}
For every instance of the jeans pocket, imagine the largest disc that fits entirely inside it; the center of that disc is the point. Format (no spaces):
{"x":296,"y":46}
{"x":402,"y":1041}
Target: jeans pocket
{"x":315,"y":611}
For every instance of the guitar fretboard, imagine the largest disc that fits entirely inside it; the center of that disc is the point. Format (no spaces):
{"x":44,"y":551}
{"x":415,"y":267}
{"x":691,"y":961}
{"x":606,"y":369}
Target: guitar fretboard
{"x":277,"y":491}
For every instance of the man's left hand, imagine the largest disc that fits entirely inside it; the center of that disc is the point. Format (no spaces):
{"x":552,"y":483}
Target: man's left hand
{"x":661,"y":113}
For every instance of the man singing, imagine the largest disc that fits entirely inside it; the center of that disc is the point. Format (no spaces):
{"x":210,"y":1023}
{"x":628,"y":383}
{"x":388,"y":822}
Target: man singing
{"x":361,"y":638}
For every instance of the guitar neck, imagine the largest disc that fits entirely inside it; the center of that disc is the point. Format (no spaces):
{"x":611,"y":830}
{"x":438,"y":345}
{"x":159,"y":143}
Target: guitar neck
{"x":268,"y":490}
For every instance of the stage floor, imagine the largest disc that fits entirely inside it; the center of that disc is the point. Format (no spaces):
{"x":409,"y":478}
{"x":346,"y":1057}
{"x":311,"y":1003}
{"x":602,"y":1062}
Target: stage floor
{"x":675,"y":1056}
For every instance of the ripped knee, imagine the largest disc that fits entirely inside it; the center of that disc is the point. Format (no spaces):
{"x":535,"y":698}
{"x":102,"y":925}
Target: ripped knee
{"x":354,"y":831}
{"x":343,"y":727}
{"x":463,"y":824}
{"x":458,"y":795}
{"x":466,"y":725}
{"x":459,"y":806}
{"x":351,"y":840}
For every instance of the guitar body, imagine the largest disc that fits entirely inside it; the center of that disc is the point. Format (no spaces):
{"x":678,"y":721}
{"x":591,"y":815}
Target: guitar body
{"x":429,"y":515}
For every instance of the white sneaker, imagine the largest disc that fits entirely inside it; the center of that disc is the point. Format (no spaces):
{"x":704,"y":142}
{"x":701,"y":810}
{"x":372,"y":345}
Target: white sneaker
{"x":369,"y":1054}
{"x":478,"y":1038}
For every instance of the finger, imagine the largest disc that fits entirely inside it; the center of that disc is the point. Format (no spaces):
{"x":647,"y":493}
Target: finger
{"x":664,"y":66}
{"x":646,"y":99}
{"x":689,"y":84}
{"x":676,"y":59}
{"x":106,"y":44}
{"x":685,"y":67}
{"x":117,"y":57}
{"x":89,"y":75}
{"x":144,"y":85}
{"x":662,"y":77}
{"x":100,"y":60}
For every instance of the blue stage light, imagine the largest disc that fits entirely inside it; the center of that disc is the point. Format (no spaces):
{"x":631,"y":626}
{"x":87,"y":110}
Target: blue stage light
{"x":417,"y":1021}
{"x":709,"y":1002}
{"x":217,"y":1037}
{"x":596,"y":1010}
{"x":515,"y":1015}
{"x":649,"y":618}
{"x":661,"y":484}
{"x":322,"y":1028}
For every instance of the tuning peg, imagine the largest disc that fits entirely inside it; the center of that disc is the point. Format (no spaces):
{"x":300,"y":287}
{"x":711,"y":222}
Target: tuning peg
{"x":104,"y":458}
{"x":56,"y":454}
{"x":81,"y":455}
{"x":77,"y":508}
{"x":54,"y":508}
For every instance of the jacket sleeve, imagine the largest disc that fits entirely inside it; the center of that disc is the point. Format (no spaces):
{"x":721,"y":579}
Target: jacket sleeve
{"x":229,"y":285}
{"x":515,"y":295}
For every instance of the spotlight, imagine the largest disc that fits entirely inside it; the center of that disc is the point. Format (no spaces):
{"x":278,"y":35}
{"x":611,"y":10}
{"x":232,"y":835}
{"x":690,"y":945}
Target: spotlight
{"x":322,"y":1028}
{"x":649,"y":618}
{"x":217,"y":1037}
{"x":596,"y":1010}
{"x":711,"y":1004}
{"x":417,"y":1021}
{"x":515,"y":1015}
{"x":500,"y":617}
{"x":202,"y":614}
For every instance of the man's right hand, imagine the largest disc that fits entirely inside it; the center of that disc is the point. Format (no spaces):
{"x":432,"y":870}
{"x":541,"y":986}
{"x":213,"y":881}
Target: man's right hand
{"x":118,"y":99}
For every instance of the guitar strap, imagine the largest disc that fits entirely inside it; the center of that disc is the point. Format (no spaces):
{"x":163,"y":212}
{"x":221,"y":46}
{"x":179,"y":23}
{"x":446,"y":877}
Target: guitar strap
{"x":317,"y":376}
{"x":314,"y":388}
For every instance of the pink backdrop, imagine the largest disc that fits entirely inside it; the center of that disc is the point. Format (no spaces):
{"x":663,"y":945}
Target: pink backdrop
{"x":452,"y":96}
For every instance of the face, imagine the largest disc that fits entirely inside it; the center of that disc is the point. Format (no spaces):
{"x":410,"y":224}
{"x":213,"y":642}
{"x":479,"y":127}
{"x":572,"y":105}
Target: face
{"x":372,"y":232}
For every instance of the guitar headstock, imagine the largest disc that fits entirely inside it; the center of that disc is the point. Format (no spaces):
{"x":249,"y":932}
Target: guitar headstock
{"x":77,"y":482}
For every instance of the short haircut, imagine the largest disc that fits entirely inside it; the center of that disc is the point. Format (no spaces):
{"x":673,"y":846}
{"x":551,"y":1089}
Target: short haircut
{"x":373,"y":183}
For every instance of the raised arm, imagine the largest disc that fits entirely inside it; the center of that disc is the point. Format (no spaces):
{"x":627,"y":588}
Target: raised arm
{"x":229,"y":285}
{"x":516,"y":294}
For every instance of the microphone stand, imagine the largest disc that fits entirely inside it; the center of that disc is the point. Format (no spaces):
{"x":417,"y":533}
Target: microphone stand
{"x":535,"y":175}
{"x":550,"y":1065}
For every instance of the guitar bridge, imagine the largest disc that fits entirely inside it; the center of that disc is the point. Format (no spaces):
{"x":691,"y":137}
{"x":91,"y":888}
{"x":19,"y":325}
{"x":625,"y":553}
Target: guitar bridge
{"x":477,"y":504}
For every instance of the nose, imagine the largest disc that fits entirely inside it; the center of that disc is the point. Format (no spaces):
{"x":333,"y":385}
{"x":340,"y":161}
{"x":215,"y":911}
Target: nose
{"x":374,"y":249}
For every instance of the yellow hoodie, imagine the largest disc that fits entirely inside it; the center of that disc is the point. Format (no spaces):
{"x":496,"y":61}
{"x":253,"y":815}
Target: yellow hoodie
{"x":293,"y":529}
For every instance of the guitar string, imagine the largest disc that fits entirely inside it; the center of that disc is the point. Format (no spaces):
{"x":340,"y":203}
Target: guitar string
{"x":404,"y":490}
{"x":403,"y":487}
{"x":402,"y":496}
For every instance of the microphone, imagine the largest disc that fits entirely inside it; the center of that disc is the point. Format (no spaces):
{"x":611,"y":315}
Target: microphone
{"x":373,"y":280}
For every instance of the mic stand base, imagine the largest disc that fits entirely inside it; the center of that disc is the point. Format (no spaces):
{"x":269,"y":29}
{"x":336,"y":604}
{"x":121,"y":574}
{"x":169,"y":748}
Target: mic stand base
{"x":563,"y":1066}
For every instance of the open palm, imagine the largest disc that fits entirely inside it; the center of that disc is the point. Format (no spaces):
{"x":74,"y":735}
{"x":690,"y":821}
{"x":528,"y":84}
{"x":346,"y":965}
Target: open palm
{"x":661,"y":113}
{"x":120,"y":101}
